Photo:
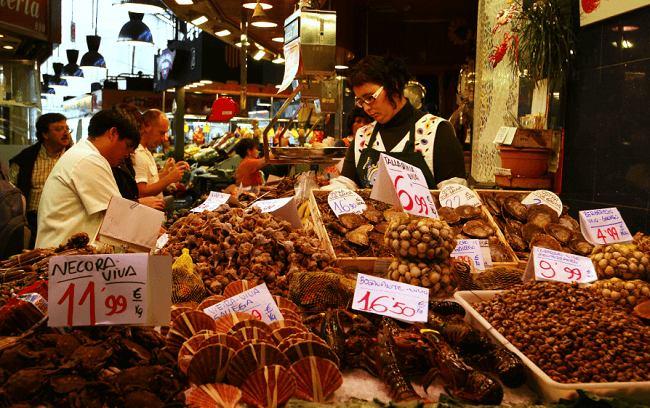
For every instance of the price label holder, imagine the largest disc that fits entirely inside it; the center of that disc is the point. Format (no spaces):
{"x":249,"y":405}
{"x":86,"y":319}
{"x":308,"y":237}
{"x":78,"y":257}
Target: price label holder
{"x":162,"y":240}
{"x":214,"y":200}
{"x":487,"y":256}
{"x":469,"y":251}
{"x":410,"y":191}
{"x":390,"y":298}
{"x":549,"y":265}
{"x":455,"y":195}
{"x":129,"y":225}
{"x":505,"y":135}
{"x":89,"y":290}
{"x":344,"y":201}
{"x":604,"y":226}
{"x":256,"y":301}
{"x":284,"y":208}
{"x":544,"y":197}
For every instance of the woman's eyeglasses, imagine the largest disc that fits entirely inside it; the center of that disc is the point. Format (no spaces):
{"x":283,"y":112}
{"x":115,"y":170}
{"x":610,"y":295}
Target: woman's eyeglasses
{"x":359,"y":102}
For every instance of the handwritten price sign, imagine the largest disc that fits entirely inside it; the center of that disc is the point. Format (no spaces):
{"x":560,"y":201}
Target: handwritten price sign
{"x":213,"y":202}
{"x":544,"y":197}
{"x":98,"y":289}
{"x":344,"y":201}
{"x":410,"y":190}
{"x":469,"y":251}
{"x":256,"y":301}
{"x":547,"y":264}
{"x":604,"y":226}
{"x":389,"y":298}
{"x":455,"y":195}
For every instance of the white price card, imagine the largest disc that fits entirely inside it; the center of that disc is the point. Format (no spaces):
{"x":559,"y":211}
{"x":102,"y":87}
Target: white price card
{"x":410,"y":191}
{"x":162,"y":240}
{"x":130,"y":225}
{"x":505,"y":135}
{"x":455,"y":195}
{"x":549,"y":265}
{"x":544,"y":197}
{"x":214,"y":200}
{"x":390,"y":298}
{"x":284,"y":208}
{"x":485,"y":250}
{"x":469,"y":251}
{"x":604,"y":226}
{"x":344,"y":201}
{"x":256,"y":301}
{"x":110,"y":289}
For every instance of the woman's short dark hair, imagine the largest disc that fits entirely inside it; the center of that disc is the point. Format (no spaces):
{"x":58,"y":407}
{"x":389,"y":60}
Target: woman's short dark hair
{"x":105,"y":119}
{"x":355,"y":113}
{"x":244,"y":146}
{"x":389,"y":72}
{"x":43,"y":124}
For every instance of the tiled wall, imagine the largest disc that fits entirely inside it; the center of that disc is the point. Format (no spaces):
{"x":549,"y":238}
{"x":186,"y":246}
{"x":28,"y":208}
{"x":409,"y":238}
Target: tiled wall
{"x":607,"y":147}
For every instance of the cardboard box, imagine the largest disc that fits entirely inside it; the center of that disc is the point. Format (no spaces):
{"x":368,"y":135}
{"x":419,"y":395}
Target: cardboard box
{"x":534,"y":138}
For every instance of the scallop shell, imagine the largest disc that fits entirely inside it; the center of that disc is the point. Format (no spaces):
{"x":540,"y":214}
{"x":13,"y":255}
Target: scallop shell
{"x":478,"y":229}
{"x":299,"y":337}
{"x":515,"y":238}
{"x":222,"y":338}
{"x":528,"y":231}
{"x":191,"y":305}
{"x":316,"y":378}
{"x":188,"y":349}
{"x":288,"y":323}
{"x":559,"y":232}
{"x":581,"y":246}
{"x":493,"y":206}
{"x":569,"y":222}
{"x":498,"y":252}
{"x":185,"y":326}
{"x":373,"y":215}
{"x":269,"y":387}
{"x":211,"y":301}
{"x":176,"y":311}
{"x":469,"y":212}
{"x":540,"y":218}
{"x":225,"y":322}
{"x":283,"y":302}
{"x":237,"y":287}
{"x":351,"y":220}
{"x":252,"y":357}
{"x":253,"y":333}
{"x":359,"y":235}
{"x":448,"y":215}
{"x":214,"y":396}
{"x":544,"y":208}
{"x":514,"y":223}
{"x":545,"y":241}
{"x":513,"y":207}
{"x":310,"y":348}
{"x":250,"y":323}
{"x":282,"y":333}
{"x":209,"y":364}
{"x":288,"y":313}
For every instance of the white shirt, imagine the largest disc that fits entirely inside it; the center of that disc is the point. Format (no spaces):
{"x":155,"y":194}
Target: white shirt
{"x":145,"y":167}
{"x":75,"y":195}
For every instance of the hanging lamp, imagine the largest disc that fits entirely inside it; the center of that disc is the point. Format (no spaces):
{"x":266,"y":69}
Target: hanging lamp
{"x":56,"y":80}
{"x":260,"y":19}
{"x":72,"y":70}
{"x":93,"y":59}
{"x":135,"y":32}
{"x":141,"y":6}
{"x":46,"y":90}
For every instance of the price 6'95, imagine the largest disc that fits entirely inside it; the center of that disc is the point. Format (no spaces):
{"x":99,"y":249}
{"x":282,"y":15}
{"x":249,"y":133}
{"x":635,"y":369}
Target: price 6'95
{"x":115,"y":304}
{"x":381,"y":304}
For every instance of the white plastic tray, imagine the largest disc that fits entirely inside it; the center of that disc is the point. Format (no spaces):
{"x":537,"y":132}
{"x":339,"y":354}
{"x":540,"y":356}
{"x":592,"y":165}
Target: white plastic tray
{"x":549,"y":391}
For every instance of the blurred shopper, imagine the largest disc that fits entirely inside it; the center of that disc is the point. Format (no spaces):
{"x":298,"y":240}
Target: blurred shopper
{"x":357,"y":118}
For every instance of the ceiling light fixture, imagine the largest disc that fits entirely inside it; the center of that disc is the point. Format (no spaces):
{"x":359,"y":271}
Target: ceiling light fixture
{"x":199,"y":21}
{"x":135,"y":32}
{"x":252,"y":5}
{"x":206,"y":81}
{"x":259,"y":55}
{"x":260,"y":18}
{"x":72,"y":70}
{"x":277,"y":39}
{"x":8,"y":47}
{"x":93,"y":59}
{"x":184,"y":2}
{"x":278,"y":60}
{"x":141,"y":6}
{"x":56,"y":80}
{"x":45,"y":86}
{"x":222,"y":33}
{"x":341,"y":67}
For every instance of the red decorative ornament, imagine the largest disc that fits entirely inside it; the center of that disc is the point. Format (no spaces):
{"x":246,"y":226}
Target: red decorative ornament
{"x":499,"y":52}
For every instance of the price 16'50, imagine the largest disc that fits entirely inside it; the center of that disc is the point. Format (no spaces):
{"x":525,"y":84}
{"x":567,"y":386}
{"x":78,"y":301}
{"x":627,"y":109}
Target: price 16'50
{"x":115,"y":304}
{"x":381,"y":305}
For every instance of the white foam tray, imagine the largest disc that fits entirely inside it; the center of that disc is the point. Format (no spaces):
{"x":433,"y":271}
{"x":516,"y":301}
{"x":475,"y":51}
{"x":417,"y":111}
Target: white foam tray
{"x":549,"y":391}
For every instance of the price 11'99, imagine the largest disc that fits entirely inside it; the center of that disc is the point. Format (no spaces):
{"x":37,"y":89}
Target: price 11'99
{"x":114,"y":304}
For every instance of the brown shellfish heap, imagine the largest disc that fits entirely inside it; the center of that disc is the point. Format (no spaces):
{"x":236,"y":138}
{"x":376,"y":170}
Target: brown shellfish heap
{"x":620,"y":261}
{"x":624,"y":292}
{"x":356,"y":235}
{"x":233,"y":244}
{"x":536,"y":225}
{"x":423,"y":247}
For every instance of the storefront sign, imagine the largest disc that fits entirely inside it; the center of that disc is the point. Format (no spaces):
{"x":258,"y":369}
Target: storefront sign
{"x":111,"y":289}
{"x":30,"y":16}
{"x":544,"y":197}
{"x":549,"y":265}
{"x":256,"y":301}
{"x":390,"y":298}
{"x":455,"y":195}
{"x":409,"y":188}
{"x":604,"y":226}
{"x":469,"y":251}
{"x":344,"y":201}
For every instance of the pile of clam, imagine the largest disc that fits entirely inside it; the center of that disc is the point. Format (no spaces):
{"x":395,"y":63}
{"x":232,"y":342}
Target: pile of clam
{"x":623,"y":292}
{"x":238,"y":356}
{"x":620,"y":261}
{"x":228,"y":245}
{"x":438,"y":277}
{"x":536,"y":225}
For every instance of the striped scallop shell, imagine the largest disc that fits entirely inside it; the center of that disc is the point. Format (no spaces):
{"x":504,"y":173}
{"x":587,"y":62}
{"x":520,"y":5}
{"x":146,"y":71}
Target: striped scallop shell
{"x":297,"y":338}
{"x":185,"y":326}
{"x":191,"y":305}
{"x":214,"y":396}
{"x":189,"y":348}
{"x":269,"y":387}
{"x":221,"y":338}
{"x":316,"y":378}
{"x":237,"y":287}
{"x":176,"y":311}
{"x":310,"y":348}
{"x":289,"y":313}
{"x":245,"y":334}
{"x":283,"y":302}
{"x":209,"y":364}
{"x":251,"y":357}
{"x":225,"y":322}
{"x":288,"y":323}
{"x":283,"y":332}
{"x":211,"y":301}
{"x":250,"y":323}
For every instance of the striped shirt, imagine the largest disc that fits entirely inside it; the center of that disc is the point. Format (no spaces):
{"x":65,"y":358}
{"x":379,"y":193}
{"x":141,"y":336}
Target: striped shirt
{"x":42,"y":168}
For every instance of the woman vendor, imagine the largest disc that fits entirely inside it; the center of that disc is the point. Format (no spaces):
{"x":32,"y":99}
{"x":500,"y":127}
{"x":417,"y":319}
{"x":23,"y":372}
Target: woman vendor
{"x":399,"y":130}
{"x":248,"y":172}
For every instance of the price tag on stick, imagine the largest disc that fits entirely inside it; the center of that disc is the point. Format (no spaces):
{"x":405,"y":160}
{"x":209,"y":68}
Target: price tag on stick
{"x":544,"y":197}
{"x":409,"y":188}
{"x":549,"y":265}
{"x":469,"y":251}
{"x":256,"y":301}
{"x":604,"y":226}
{"x":344,"y":201}
{"x":214,"y":200}
{"x":390,"y":298}
{"x":455,"y":195}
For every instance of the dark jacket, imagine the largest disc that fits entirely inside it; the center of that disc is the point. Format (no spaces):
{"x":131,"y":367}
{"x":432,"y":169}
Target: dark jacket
{"x":25,"y":160}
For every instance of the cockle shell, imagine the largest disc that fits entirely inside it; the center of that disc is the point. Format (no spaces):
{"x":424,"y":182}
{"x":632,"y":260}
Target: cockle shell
{"x":513,"y":207}
{"x":359,"y":235}
{"x":214,"y":396}
{"x":176,"y":311}
{"x":289,"y":313}
{"x":288,"y":323}
{"x":269,"y":387}
{"x":297,"y":338}
{"x":316,"y":378}
{"x":528,"y":231}
{"x":251,"y":357}
{"x":282,"y":333}
{"x":545,"y":241}
{"x":448,"y":215}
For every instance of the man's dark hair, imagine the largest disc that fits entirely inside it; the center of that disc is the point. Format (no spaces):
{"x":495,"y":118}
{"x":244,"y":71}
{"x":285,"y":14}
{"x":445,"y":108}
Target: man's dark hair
{"x":43,"y":124}
{"x":389,"y":72}
{"x":114,"y":117}
{"x":244,"y":145}
{"x":355,"y":113}
{"x":132,"y":109}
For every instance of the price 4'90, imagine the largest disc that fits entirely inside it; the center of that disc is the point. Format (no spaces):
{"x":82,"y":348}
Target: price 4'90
{"x":377,"y":306}
{"x":115,"y":304}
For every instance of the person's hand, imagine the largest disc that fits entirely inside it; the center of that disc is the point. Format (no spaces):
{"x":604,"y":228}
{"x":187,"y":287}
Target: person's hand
{"x":184,"y":165}
{"x":152,"y":202}
{"x":175,"y":174}
{"x":169,"y":163}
